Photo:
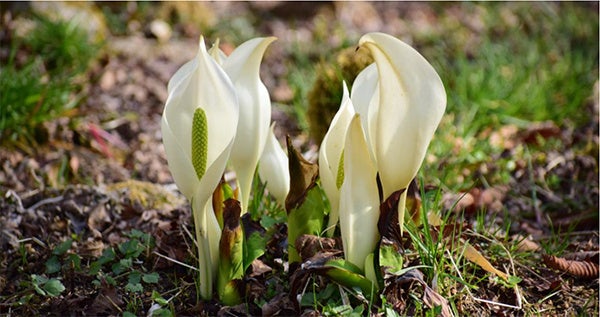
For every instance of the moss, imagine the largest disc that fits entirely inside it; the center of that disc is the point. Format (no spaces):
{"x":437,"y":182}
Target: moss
{"x":325,"y":97}
{"x":147,"y":195}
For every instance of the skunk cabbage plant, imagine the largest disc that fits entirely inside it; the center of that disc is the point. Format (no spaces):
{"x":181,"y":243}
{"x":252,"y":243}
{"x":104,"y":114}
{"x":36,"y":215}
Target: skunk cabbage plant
{"x":399,"y":101}
{"x":198,"y":127}
{"x":217,"y":110}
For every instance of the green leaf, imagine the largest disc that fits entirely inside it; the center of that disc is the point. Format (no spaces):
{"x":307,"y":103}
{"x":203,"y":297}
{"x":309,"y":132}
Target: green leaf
{"x":53,"y":265}
{"x":254,"y":247}
{"x":131,"y":248}
{"x":390,"y":259}
{"x":53,"y":287}
{"x":199,"y":142}
{"x":128,"y":314}
{"x":95,"y":268}
{"x":349,"y":275}
{"x":159,"y":299}
{"x":122,"y":266}
{"x":308,"y":218}
{"x":267,"y":221}
{"x":134,"y":287}
{"x":62,"y":247}
{"x":75,"y":261}
{"x":110,"y":280}
{"x":151,"y":278}
{"x":134,"y":277}
{"x":108,"y":255}
{"x":38,"y":282}
{"x":24,"y":299}
{"x":135,"y":234}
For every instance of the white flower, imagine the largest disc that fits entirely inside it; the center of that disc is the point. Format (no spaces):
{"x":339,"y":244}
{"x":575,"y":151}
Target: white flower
{"x":404,"y":113}
{"x":411,"y":103}
{"x":198,"y":126}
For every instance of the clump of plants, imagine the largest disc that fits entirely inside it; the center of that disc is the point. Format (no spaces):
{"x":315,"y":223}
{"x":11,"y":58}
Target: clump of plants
{"x":346,"y":214}
{"x":42,"y":77}
{"x":326,"y":93}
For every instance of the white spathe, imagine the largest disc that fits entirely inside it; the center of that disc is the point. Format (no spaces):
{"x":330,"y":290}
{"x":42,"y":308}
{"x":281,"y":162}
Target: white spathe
{"x":330,"y":155}
{"x":404,"y":112}
{"x":359,"y":197}
{"x":243,"y":66}
{"x":410,"y":105}
{"x":273,"y":168}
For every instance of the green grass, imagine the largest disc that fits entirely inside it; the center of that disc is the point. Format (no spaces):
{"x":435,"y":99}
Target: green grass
{"x":542,"y":67}
{"x":47,"y":83}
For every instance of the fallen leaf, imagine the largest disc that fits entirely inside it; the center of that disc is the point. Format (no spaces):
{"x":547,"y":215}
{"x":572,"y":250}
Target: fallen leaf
{"x":583,"y":269}
{"x":259,"y":268}
{"x":397,"y":287}
{"x":537,"y":130}
{"x":309,"y":245}
{"x":474,"y":256}
{"x":97,"y":219}
{"x":280,"y":305}
{"x":525,"y":244}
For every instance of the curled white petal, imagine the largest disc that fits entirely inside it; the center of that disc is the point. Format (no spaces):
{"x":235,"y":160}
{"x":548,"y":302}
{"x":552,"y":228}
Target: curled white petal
{"x":411,"y":103}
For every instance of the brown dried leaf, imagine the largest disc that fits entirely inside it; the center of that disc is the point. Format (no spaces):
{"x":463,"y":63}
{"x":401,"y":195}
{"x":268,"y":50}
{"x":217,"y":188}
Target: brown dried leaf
{"x":397,"y":288}
{"x":98,"y":218}
{"x":259,"y":268}
{"x":504,"y":138}
{"x":583,"y":269}
{"x":413,"y":202}
{"x":303,"y":177}
{"x":476,"y":199}
{"x":280,"y":305}
{"x":524,"y":244}
{"x":537,"y":130}
{"x":309,"y":245}
{"x":107,"y":302}
{"x":590,"y":256}
{"x":388,"y":224}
